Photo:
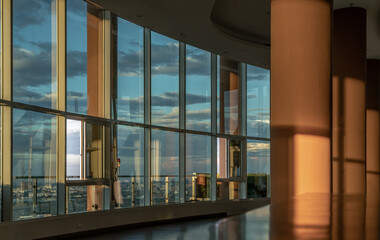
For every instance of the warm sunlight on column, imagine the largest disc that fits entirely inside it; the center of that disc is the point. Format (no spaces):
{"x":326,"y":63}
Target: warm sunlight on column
{"x":311,"y":164}
{"x":373,"y":156}
{"x":354,"y":135}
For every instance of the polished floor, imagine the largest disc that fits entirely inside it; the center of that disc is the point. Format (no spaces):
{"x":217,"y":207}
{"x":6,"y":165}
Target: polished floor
{"x":310,"y":216}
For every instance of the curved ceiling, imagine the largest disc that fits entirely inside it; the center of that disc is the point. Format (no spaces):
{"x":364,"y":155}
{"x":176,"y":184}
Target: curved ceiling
{"x":238,"y":29}
{"x":189,"y":22}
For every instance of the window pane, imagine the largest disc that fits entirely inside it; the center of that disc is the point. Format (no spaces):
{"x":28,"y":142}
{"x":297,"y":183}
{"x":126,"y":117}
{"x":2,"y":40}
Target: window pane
{"x":84,"y":58}
{"x":34,"y":165}
{"x":258,"y":102}
{"x":34,"y":52}
{"x":165,"y":81}
{"x":129,"y":80}
{"x":258,"y":168}
{"x":87,"y":185}
{"x":74,"y":149}
{"x":228,"y":96}
{"x":198,"y":167}
{"x":84,"y":150}
{"x":86,"y":198}
{"x":198,"y":89}
{"x":129,"y":184}
{"x":165,"y":167}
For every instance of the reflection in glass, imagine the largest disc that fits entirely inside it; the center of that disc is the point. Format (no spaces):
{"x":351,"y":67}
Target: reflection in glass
{"x":84,"y":164}
{"x":258,"y":168}
{"x":164,"y":81}
{"x":129,"y":179}
{"x":128,"y":61}
{"x":86,"y":198}
{"x":35,"y":52}
{"x":198,"y":89}
{"x":34,"y":165}
{"x":164,"y":167}
{"x":234,"y":163}
{"x":228,"y":162}
{"x":258,"y":102}
{"x":198,"y":167}
{"x":85,"y":167}
{"x":84,"y":58}
{"x":228,"y":88}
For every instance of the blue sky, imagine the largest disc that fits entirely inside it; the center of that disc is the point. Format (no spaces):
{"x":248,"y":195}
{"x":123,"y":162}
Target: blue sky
{"x":35,"y":80}
{"x":34,"y":46}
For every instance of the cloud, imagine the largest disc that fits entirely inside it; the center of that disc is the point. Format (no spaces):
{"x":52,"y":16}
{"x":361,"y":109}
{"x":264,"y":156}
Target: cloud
{"x":76,"y":63}
{"x":166,"y":99}
{"x":131,"y":63}
{"x":23,"y":95}
{"x":165,"y":59}
{"x":76,"y":102}
{"x":258,"y":158}
{"x":31,"y":12}
{"x":198,"y":62}
{"x":171,"y":119}
{"x":204,"y":114}
{"x":73,"y":142}
{"x":32,"y":68}
{"x":195,"y":99}
{"x":256,"y":73}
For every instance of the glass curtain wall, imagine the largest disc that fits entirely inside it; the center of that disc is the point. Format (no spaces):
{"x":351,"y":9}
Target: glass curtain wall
{"x":34,"y":164}
{"x":198,"y":89}
{"x":84,"y":60}
{"x":129,"y":167}
{"x":258,"y":168}
{"x":258,"y":125}
{"x":198,"y":167}
{"x":164,"y":81}
{"x":113,"y":147}
{"x":35,"y":52}
{"x":228,"y":88}
{"x":128,"y":63}
{"x":86,"y":182}
{"x":258,"y":102}
{"x":164,"y":167}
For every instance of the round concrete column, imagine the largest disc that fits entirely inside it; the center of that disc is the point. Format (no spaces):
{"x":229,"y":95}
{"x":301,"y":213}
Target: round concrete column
{"x":300,"y":97}
{"x":373,"y":131}
{"x":349,"y":113}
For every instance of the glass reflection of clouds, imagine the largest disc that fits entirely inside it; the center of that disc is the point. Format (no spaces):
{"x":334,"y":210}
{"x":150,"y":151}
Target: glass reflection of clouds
{"x":258,"y":102}
{"x":165,"y":81}
{"x":198,"y":89}
{"x":130,"y":71}
{"x":34,"y":165}
{"x":34,"y":52}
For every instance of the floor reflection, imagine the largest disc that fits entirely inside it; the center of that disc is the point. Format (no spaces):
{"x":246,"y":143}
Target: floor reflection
{"x":310,"y":216}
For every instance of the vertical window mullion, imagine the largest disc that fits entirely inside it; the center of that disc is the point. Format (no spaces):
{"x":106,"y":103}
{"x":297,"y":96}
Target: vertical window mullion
{"x":147,"y":77}
{"x":6,"y":112}
{"x":243,"y":99}
{"x":213,"y":125}
{"x":6,"y":160}
{"x":61,"y":98}
{"x":182,"y":120}
{"x":147,"y":117}
{"x":243,"y":127}
{"x":107,"y":63}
